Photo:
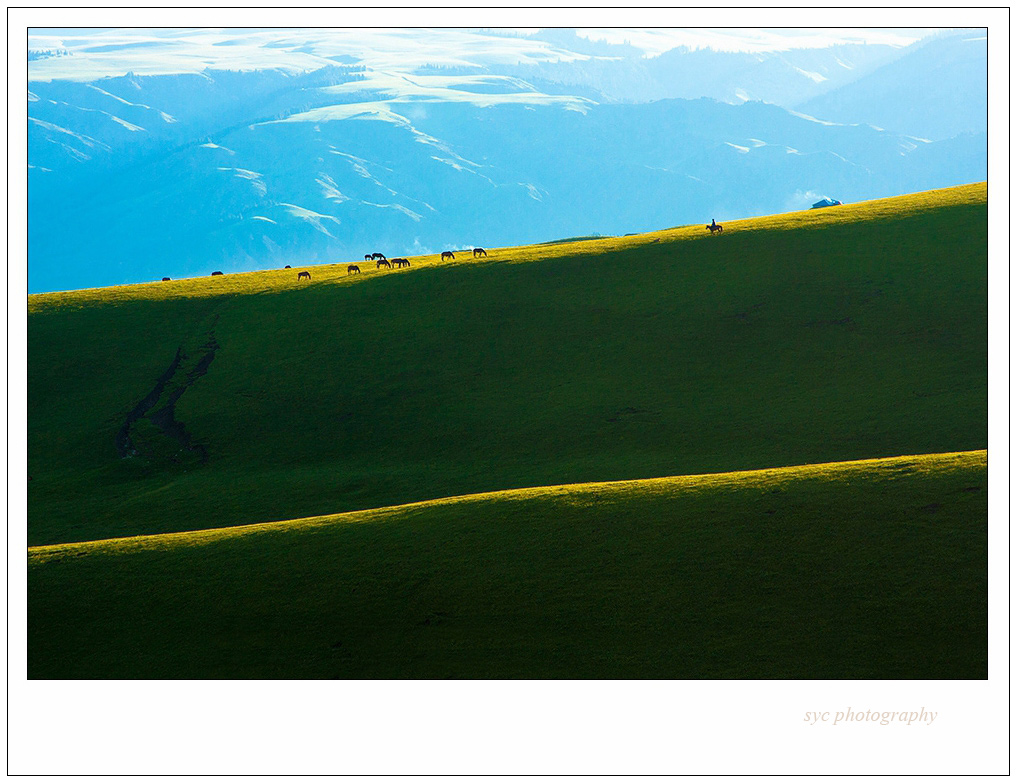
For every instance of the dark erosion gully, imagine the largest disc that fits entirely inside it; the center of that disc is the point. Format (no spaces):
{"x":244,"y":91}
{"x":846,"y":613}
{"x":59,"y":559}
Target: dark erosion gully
{"x":163,"y":417}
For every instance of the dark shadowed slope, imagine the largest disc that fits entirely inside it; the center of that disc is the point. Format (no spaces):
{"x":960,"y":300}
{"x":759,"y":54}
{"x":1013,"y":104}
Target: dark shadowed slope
{"x":848,"y":333}
{"x":874,"y":569}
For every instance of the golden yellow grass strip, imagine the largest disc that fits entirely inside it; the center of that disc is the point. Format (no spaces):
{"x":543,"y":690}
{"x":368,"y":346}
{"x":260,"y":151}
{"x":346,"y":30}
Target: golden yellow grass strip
{"x":265,"y":281}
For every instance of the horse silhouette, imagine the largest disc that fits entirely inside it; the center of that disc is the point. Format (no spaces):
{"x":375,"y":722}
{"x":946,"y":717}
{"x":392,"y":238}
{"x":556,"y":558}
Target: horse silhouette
{"x":375,"y":256}
{"x":165,"y":279}
{"x":352,"y":268}
{"x":479,"y":252}
{"x":713,"y":226}
{"x":448,"y":254}
{"x":217,"y":272}
{"x":287,"y":267}
{"x":304,"y":274}
{"x":401,"y":262}
{"x":383,"y":263}
{"x":368,"y":257}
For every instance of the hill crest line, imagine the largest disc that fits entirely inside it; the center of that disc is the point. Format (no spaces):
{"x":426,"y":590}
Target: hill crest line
{"x":205,"y":535}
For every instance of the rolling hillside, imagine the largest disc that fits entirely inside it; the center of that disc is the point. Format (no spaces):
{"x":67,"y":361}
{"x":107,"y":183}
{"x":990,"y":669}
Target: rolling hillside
{"x":844,"y":334}
{"x":753,"y":455}
{"x":875,"y":569}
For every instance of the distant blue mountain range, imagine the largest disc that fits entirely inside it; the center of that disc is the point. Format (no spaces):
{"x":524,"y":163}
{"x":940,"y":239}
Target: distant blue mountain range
{"x":132,"y":178}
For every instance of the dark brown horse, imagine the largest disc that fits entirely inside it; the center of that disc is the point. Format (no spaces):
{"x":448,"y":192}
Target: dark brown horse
{"x":448,"y":254}
{"x":303,"y":274}
{"x":714,"y":227}
{"x":376,"y":256}
{"x":165,"y":279}
{"x":352,"y":268}
{"x":401,"y":262}
{"x":287,"y":267}
{"x":217,"y":272}
{"x":479,"y":252}
{"x":383,"y":263}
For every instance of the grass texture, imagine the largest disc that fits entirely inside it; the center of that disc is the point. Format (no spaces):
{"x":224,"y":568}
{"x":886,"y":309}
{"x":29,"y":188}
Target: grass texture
{"x":869,"y":569}
{"x":848,"y":333}
{"x":669,"y":455}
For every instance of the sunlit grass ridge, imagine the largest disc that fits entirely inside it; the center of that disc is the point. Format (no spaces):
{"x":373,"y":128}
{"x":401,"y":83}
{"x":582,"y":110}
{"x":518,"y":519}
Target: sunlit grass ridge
{"x":669,"y":455}
{"x":850,"y":338}
{"x":874,"y":569}
{"x":579,"y":495}
{"x":264,"y":281}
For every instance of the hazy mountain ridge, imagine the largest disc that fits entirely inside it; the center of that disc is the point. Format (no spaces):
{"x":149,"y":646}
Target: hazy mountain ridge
{"x":785,"y":78}
{"x":136,"y":177}
{"x":955,"y":65}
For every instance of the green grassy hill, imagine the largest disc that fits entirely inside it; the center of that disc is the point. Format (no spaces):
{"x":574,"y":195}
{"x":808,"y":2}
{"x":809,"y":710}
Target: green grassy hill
{"x":838,"y":334}
{"x":179,"y":414}
{"x":873,"y":569}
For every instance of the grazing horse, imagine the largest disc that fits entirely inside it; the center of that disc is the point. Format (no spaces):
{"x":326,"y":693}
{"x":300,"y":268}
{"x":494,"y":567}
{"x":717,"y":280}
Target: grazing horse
{"x":448,"y":254}
{"x":714,"y":227}
{"x":303,"y":274}
{"x":368,"y":257}
{"x":287,"y":267}
{"x":401,"y":262}
{"x":165,"y":279}
{"x":352,"y":268}
{"x":480,"y":252}
{"x":374,"y":256}
{"x":217,"y":272}
{"x":383,"y":263}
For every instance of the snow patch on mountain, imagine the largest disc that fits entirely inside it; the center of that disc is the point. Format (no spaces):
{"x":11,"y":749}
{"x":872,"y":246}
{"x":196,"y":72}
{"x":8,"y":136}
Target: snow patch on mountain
{"x":329,"y":188}
{"x":165,"y":117}
{"x":117,"y":97}
{"x":366,"y":110}
{"x":398,"y":207}
{"x":816,"y":77}
{"x":532,"y":191}
{"x":253,"y":177}
{"x":456,"y":161}
{"x":359,"y":166}
{"x":396,"y":87}
{"x":88,"y":140}
{"x":802,"y":116}
{"x":243,"y":173}
{"x":312,"y":217}
{"x":453,"y":164}
{"x":125,"y":123}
